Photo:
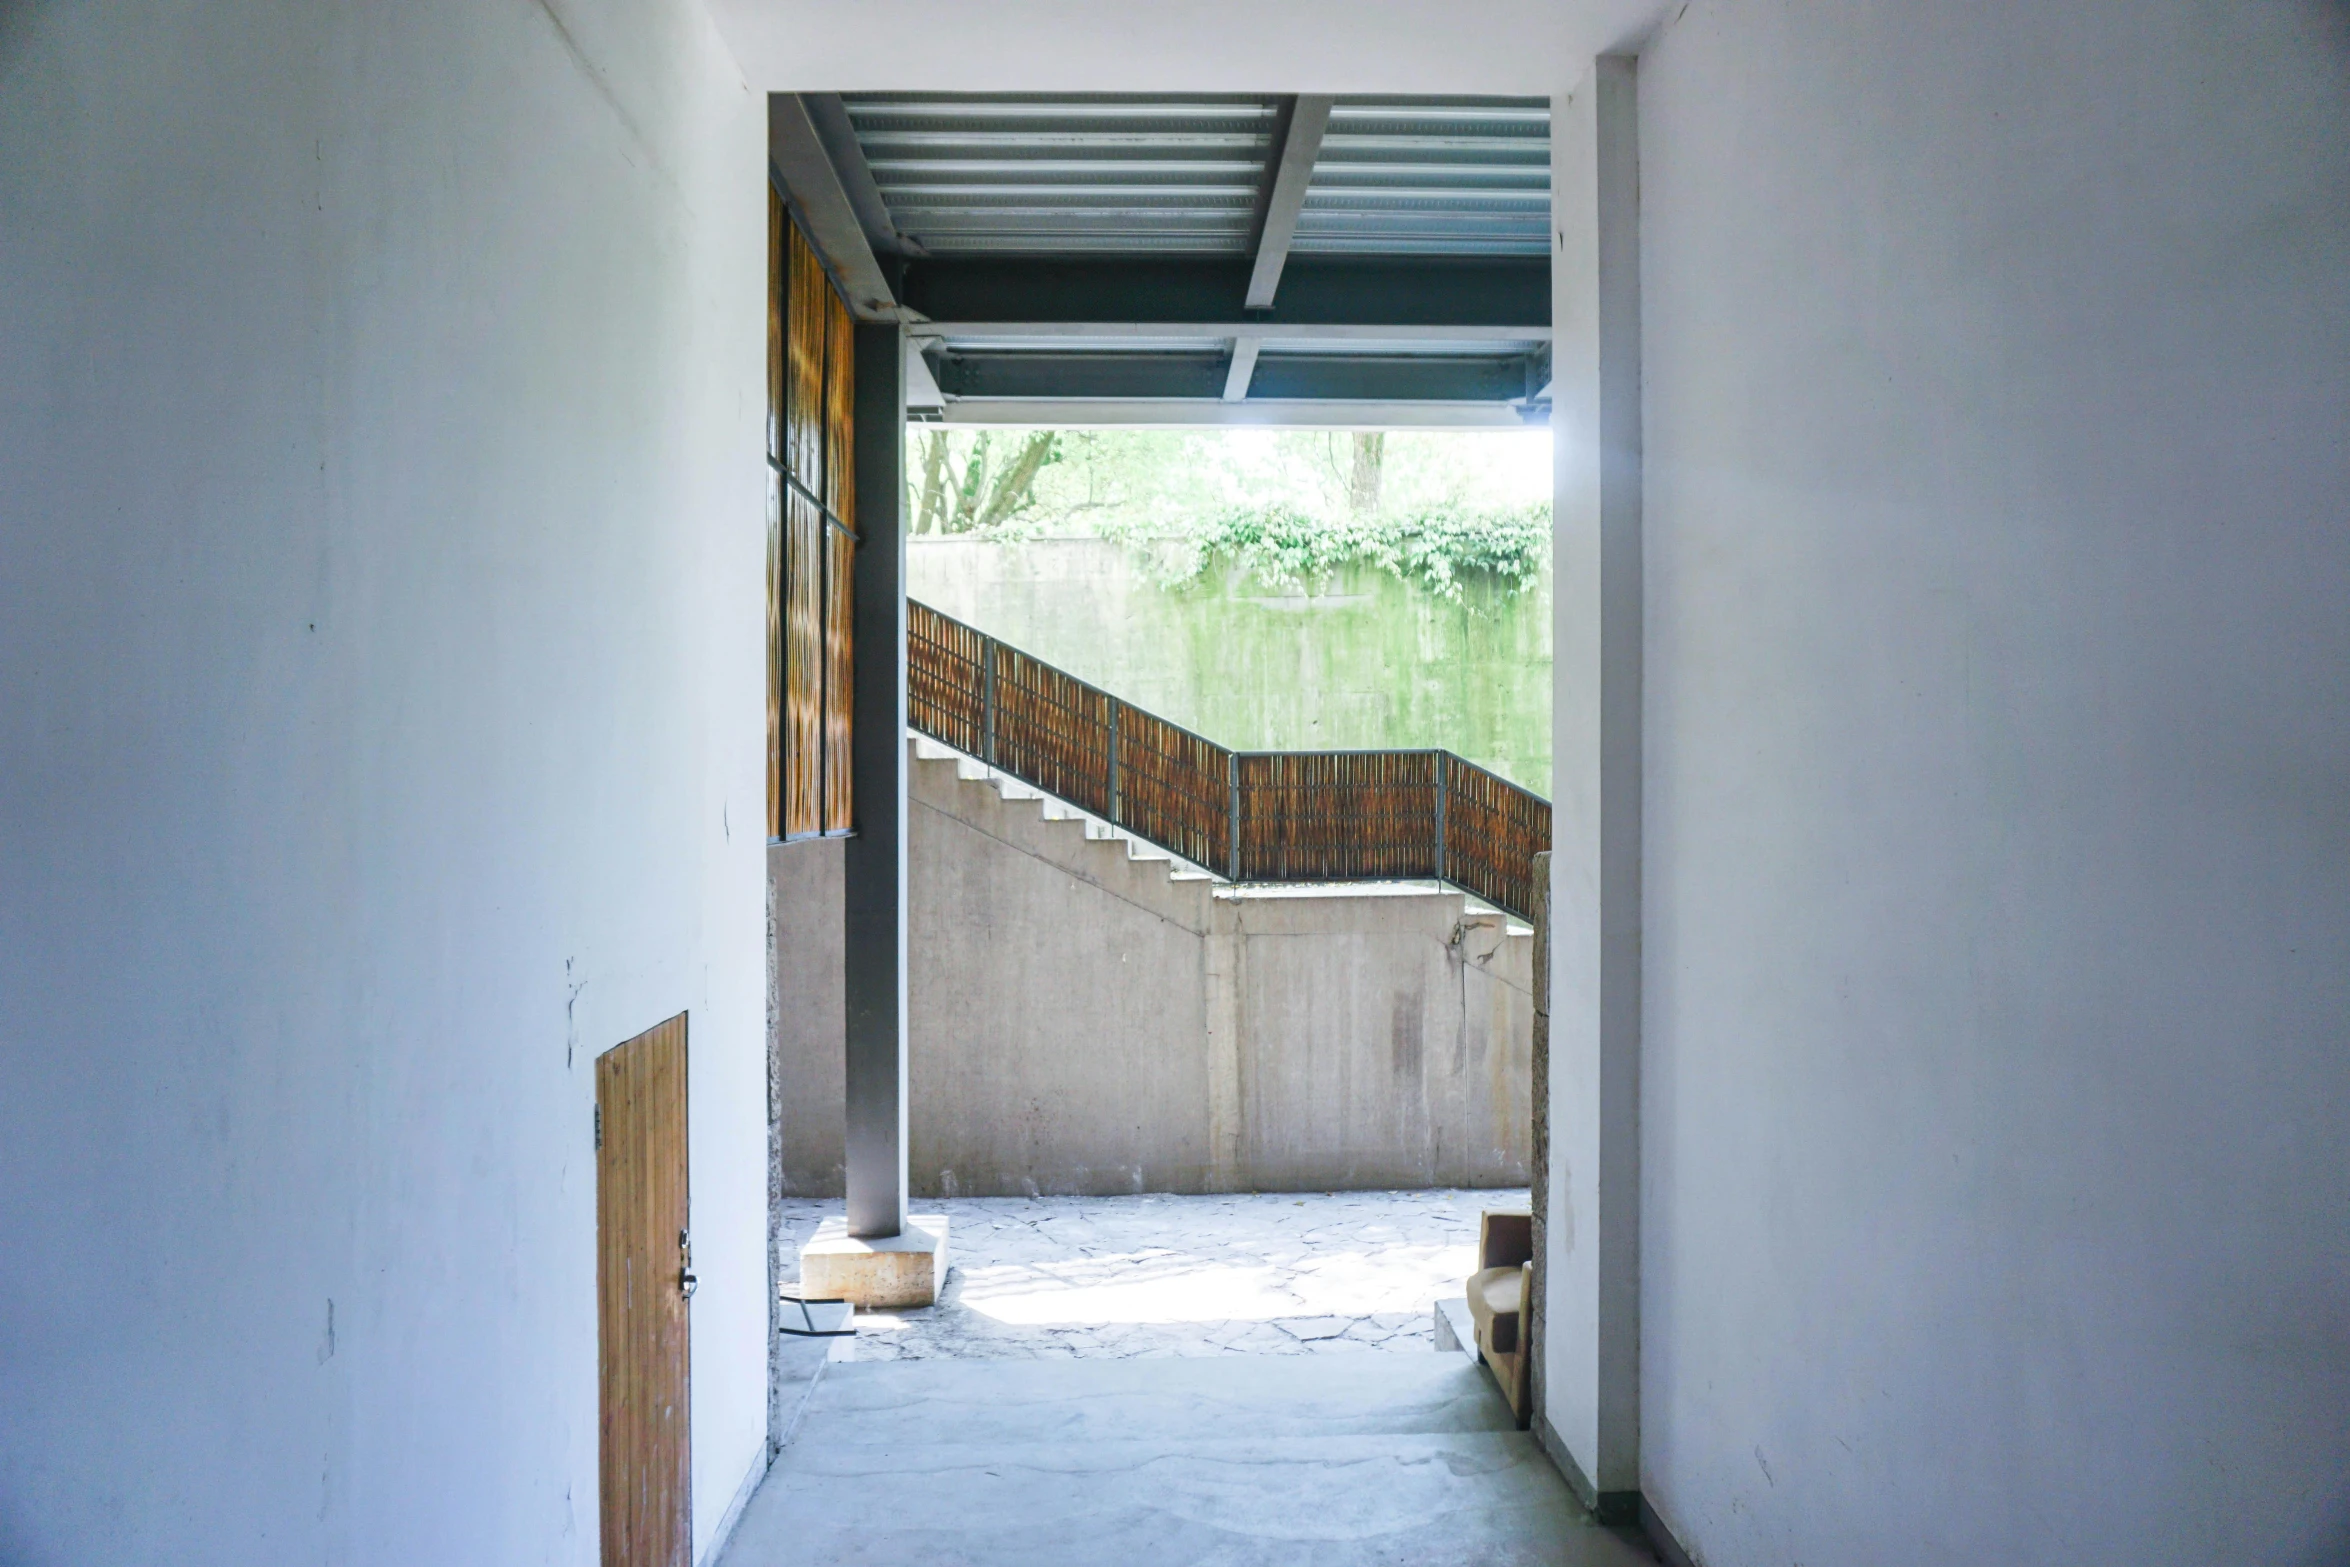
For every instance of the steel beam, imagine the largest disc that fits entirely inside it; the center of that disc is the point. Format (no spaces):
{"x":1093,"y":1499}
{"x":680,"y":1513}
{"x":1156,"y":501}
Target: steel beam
{"x":1242,"y":369}
{"x":1081,"y":375}
{"x":829,"y":117}
{"x":1316,"y":291}
{"x":822,"y":204}
{"x":1309,"y":377}
{"x":1386,"y":378}
{"x":1293,"y":171}
{"x":1255,"y":413}
{"x":921,"y":386}
{"x":1293,"y":332}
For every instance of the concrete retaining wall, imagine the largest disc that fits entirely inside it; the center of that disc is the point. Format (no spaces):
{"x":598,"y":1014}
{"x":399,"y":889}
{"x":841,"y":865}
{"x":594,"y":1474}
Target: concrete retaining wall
{"x":1082,"y":1022}
{"x":1361,"y":658}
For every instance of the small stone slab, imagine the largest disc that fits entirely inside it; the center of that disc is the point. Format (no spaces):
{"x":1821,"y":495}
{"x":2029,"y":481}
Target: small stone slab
{"x":1454,"y":1329}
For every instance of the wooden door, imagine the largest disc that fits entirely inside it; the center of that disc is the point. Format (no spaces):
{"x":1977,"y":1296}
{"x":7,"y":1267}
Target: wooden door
{"x":643,"y":1276}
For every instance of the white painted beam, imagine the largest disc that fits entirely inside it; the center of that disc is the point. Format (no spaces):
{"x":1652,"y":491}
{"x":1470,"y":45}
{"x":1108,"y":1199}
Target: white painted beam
{"x":921,"y":386}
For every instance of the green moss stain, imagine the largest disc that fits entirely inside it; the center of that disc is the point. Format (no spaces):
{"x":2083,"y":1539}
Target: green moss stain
{"x":1361,"y":659}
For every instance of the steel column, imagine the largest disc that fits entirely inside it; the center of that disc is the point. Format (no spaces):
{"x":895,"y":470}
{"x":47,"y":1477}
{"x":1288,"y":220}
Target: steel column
{"x":874,"y":858}
{"x":1115,"y":704}
{"x":987,"y":652}
{"x":1443,"y":812}
{"x":1232,"y":770}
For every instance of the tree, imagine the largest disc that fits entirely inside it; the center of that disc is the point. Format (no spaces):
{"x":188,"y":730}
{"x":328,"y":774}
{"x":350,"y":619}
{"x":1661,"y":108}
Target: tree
{"x":1362,"y":480}
{"x":974,"y":494}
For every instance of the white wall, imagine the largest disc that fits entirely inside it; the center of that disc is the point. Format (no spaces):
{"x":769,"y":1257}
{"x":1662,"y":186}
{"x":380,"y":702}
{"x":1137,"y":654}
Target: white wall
{"x":1997,"y":998}
{"x":380,"y":552}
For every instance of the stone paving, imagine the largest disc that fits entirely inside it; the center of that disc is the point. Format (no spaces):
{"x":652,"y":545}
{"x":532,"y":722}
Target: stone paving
{"x":1133,"y":1277}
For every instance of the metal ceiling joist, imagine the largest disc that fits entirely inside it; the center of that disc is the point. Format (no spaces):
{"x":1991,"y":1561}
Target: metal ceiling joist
{"x":1387,"y":291}
{"x":1243,"y":368}
{"x":824,"y":208}
{"x":1257,"y":413}
{"x":1192,"y":258}
{"x":1281,"y":377}
{"x":829,"y":118}
{"x":1293,"y":171}
{"x":1288,"y":332}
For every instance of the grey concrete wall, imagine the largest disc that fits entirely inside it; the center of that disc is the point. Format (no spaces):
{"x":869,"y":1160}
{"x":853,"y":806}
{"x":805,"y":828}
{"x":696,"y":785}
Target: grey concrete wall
{"x":1081,"y":1023}
{"x":1997,"y":998}
{"x":1384,"y":1042}
{"x":380,"y":554}
{"x":807,"y":1060}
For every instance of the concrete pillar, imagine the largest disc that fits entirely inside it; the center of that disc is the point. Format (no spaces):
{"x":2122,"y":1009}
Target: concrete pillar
{"x":874,"y":860}
{"x":1591,"y":1263}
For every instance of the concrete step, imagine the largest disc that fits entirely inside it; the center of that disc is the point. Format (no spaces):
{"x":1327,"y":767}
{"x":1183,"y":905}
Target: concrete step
{"x":1053,"y":808}
{"x":909,"y":1402}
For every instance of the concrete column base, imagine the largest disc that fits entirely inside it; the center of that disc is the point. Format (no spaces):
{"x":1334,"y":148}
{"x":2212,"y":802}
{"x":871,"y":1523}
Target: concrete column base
{"x":877,"y":1275}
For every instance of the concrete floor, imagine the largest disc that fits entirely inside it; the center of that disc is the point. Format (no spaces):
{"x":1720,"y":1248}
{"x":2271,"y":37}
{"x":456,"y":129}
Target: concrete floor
{"x":1155,"y":1381}
{"x":1235,"y":1460}
{"x":1126,"y":1277}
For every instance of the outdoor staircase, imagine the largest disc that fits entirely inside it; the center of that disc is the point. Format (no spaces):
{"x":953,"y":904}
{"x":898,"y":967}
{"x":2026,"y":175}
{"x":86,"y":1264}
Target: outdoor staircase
{"x":1335,"y":1460}
{"x":1251,"y":817}
{"x":1141,"y":851}
{"x":1055,"y":809}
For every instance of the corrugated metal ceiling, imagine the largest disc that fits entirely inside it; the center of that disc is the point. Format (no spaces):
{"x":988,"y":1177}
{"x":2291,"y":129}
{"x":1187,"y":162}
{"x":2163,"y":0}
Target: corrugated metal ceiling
{"x":1034,"y":174}
{"x":1411,"y":176}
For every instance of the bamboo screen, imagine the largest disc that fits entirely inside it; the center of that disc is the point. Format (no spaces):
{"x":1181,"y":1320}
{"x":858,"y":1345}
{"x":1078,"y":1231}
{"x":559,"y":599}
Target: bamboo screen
{"x":1052,"y":729}
{"x":776,"y":223}
{"x":1300,"y":815}
{"x":1492,"y":831}
{"x":811,"y":543}
{"x":946,"y":679}
{"x":1174,"y":788}
{"x":1340,"y":815}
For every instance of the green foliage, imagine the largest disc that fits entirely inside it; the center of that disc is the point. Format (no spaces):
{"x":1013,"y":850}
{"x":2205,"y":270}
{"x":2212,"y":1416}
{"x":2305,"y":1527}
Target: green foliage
{"x":1287,"y":507}
{"x":1282,"y":546}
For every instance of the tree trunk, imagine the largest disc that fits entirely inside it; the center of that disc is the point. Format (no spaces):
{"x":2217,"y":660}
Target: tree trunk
{"x":1362,"y":484}
{"x":1017,"y":487}
{"x":971,"y":486}
{"x":930,"y":513}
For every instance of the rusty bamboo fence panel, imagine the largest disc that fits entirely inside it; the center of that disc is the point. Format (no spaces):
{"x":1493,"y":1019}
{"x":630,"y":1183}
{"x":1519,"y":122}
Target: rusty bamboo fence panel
{"x":1294,"y":816}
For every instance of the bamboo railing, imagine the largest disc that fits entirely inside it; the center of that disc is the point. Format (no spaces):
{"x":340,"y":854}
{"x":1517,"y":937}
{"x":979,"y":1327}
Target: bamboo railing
{"x":1296,"y":816}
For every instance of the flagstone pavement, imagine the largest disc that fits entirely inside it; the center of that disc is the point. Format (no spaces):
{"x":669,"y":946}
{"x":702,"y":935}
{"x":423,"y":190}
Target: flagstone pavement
{"x":1151,"y":1276}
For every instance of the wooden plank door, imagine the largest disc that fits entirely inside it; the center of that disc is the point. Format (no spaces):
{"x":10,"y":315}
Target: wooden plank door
{"x":643,"y":1276}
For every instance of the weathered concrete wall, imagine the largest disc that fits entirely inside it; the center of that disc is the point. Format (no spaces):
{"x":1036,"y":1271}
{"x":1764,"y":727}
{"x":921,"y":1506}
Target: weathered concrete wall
{"x":1083,"y":1023}
{"x":1384,"y":1042}
{"x":1364,"y":659}
{"x":808,"y":1018}
{"x":1058,"y":1014}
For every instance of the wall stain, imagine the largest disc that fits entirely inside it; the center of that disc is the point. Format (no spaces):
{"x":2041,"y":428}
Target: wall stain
{"x":1407,"y":1045}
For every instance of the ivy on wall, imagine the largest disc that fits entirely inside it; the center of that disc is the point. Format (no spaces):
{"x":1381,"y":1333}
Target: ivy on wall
{"x":1437,"y":547}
